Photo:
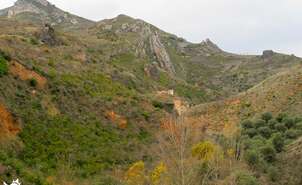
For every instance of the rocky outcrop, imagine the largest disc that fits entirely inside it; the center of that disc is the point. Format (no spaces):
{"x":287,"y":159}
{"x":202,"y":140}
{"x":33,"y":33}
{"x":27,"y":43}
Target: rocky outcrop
{"x":161,"y":54}
{"x":148,"y":39}
{"x":267,"y":54}
{"x":48,"y":36}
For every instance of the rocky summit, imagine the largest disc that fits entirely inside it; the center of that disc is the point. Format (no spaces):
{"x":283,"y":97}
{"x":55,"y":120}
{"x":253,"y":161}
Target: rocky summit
{"x":122,"y":102}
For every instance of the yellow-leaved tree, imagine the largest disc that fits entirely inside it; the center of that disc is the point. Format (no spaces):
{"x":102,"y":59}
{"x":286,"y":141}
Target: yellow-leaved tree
{"x":135,"y":175}
{"x":159,"y":175}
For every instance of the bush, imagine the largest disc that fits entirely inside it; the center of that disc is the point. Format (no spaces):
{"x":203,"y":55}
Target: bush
{"x":33,"y":82}
{"x":273,"y":173}
{"x":265,"y":132}
{"x":266,"y":116}
{"x":269,"y":153}
{"x":291,"y":134}
{"x":243,"y":178}
{"x":252,"y":157}
{"x":246,"y":124}
{"x":280,"y":127}
{"x":289,"y":122}
{"x":158,"y":104}
{"x":250,"y":132}
{"x":278,"y":142}
{"x":281,"y":116}
{"x":260,"y":123}
{"x":298,"y":126}
{"x":5,"y":55}
{"x":3,"y":66}
{"x":272,"y":123}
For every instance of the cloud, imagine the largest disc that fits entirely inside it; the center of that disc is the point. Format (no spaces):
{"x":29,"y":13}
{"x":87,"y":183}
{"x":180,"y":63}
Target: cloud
{"x":241,"y":26}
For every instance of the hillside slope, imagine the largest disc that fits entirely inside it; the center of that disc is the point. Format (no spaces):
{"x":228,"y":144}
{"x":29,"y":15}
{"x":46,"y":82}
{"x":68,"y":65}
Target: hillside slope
{"x":277,"y":94}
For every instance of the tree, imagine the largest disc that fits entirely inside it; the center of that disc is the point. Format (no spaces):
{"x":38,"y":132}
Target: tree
{"x":183,"y":157}
{"x":158,"y":176}
{"x":252,"y":157}
{"x":265,"y":132}
{"x":246,"y":124}
{"x":260,"y":123}
{"x":267,"y":116}
{"x":204,"y":151}
{"x":269,"y":153}
{"x":278,"y":142}
{"x":135,"y":175}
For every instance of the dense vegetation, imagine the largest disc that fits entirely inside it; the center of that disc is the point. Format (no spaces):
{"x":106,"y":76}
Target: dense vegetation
{"x":265,"y":138}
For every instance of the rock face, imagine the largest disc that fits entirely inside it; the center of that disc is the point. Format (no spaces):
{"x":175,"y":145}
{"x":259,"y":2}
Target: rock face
{"x":148,"y":40}
{"x":161,"y":54}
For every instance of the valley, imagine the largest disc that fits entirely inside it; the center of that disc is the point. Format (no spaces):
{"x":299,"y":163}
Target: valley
{"x":121,"y":102}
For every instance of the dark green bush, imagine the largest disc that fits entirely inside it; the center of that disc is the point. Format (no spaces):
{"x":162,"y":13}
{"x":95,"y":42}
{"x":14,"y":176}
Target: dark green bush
{"x":272,"y":123}
{"x":158,"y":104}
{"x":260,"y":123}
{"x":298,"y":126}
{"x":280,"y":127}
{"x":33,"y":82}
{"x":246,"y":124}
{"x":251,"y":132}
{"x":278,"y":142}
{"x":3,"y":66}
{"x":266,"y":116}
{"x":252,"y":157}
{"x":291,"y":134}
{"x":265,"y":132}
{"x":269,"y":153}
{"x":289,"y":122}
{"x":5,"y":55}
{"x":273,"y":173}
{"x":281,"y":116}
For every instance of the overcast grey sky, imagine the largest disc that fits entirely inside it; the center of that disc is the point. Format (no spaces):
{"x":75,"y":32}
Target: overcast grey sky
{"x":241,"y":26}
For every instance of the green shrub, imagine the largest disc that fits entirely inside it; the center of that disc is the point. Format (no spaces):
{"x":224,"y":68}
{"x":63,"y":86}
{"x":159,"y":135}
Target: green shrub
{"x":268,"y":152}
{"x":281,"y":116}
{"x":252,"y":157}
{"x":278,"y":141}
{"x":3,"y":66}
{"x":246,"y":124}
{"x":272,"y":123}
{"x":251,"y":132}
{"x":260,"y":123}
{"x":291,"y":134}
{"x":298,"y":126}
{"x":34,"y":41}
{"x":244,"y":178}
{"x":289,"y":122}
{"x":158,"y":104}
{"x":266,"y":116}
{"x":273,"y":173}
{"x":33,"y":82}
{"x":5,"y":55}
{"x":280,"y":127}
{"x":265,"y":132}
